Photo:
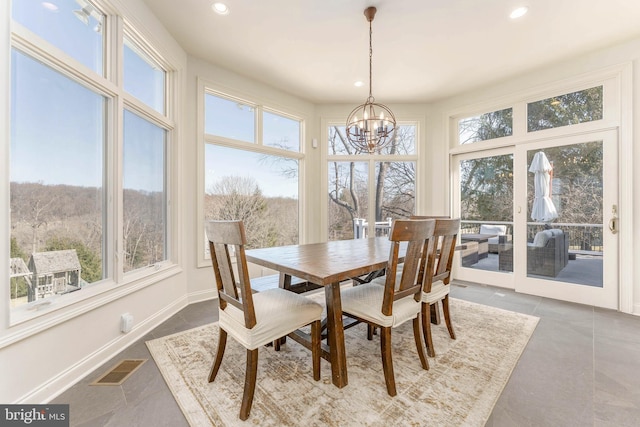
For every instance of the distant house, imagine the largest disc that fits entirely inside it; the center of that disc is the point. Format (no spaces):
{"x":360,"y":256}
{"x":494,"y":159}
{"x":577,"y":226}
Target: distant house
{"x":53,"y":272}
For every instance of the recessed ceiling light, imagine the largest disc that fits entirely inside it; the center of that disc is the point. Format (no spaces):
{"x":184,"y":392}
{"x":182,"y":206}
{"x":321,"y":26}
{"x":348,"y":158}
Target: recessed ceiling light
{"x":50,"y":6}
{"x":359,"y":83}
{"x":220,"y":8}
{"x":517,"y":13}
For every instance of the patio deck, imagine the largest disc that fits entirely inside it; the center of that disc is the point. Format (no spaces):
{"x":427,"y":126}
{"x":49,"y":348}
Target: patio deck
{"x":585,"y":269}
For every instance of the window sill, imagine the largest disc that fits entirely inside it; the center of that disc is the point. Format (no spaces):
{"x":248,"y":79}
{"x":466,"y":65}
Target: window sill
{"x":27,"y":321}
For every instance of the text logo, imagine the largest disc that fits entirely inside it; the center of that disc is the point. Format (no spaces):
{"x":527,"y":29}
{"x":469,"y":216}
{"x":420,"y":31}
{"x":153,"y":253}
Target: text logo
{"x":34,"y":415}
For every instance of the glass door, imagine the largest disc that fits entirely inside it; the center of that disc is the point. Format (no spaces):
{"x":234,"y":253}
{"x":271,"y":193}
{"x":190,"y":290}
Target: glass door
{"x":485,"y":183}
{"x":566,"y":219}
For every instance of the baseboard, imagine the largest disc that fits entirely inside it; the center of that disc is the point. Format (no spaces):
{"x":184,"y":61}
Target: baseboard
{"x":200,"y":296}
{"x":67,"y":378}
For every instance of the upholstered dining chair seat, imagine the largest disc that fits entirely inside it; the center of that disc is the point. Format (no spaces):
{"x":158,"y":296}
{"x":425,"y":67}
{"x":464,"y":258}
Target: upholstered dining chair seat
{"x":438,"y":291}
{"x":365,"y":301}
{"x":278,"y":312}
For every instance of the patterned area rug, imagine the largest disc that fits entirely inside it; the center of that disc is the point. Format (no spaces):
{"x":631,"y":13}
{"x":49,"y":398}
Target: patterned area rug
{"x":460,"y":389}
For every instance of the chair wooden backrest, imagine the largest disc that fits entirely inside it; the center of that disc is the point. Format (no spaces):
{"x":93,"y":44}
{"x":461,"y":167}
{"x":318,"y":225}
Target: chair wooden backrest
{"x":438,"y":267}
{"x":418,"y":235}
{"x":227,"y":238}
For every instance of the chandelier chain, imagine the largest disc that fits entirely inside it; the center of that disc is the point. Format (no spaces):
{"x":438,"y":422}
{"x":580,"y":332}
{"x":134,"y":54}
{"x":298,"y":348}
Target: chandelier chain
{"x":370,"y":61}
{"x":370,"y":126}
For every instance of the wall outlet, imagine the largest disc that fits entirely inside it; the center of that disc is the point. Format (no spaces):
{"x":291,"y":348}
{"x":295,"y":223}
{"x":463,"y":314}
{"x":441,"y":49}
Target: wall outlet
{"x":126,"y":323}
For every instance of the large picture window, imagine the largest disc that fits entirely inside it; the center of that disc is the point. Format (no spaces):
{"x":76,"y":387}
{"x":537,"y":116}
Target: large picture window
{"x":68,"y":160}
{"x":252,"y":176}
{"x":369,"y":189}
{"x":57,"y":173}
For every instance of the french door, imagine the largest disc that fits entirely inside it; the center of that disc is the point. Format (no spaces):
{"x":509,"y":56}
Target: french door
{"x":551,"y":231}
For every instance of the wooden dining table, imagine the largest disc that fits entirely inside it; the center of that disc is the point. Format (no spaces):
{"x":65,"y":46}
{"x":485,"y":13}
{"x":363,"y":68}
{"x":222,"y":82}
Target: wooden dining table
{"x":327,"y":264}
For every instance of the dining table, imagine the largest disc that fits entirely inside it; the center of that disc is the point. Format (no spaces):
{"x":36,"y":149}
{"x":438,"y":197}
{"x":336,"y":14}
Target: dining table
{"x":327,"y":264}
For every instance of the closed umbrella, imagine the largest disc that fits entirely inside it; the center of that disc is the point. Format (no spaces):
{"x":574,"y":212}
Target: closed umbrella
{"x":543,"y":209}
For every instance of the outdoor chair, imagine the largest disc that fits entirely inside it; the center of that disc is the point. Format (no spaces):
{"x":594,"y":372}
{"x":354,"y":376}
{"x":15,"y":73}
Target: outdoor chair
{"x":501,"y":235}
{"x":398,"y":301}
{"x":548,"y":254}
{"x":253,"y":319}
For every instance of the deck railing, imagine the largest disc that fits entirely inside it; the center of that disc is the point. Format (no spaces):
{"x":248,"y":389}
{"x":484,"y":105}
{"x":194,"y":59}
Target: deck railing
{"x":361,"y":228}
{"x":582,"y":237}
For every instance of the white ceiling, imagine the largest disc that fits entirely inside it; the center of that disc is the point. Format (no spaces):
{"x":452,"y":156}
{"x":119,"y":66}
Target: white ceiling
{"x":423,"y":50}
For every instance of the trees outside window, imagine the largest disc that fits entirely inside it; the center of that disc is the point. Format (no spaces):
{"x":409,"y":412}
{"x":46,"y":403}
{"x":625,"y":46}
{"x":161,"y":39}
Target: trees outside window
{"x":487,"y":182}
{"x":252,"y":177}
{"x":392,"y":187}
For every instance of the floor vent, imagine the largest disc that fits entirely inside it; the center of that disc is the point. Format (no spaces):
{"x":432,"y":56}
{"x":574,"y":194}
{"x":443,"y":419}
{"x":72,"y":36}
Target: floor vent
{"x":119,"y":373}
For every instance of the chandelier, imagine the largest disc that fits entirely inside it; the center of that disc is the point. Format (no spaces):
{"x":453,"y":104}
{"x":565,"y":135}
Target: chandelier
{"x":370,"y":126}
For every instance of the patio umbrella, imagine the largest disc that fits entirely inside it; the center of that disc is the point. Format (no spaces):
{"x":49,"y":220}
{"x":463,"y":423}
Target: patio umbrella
{"x":543,"y":209}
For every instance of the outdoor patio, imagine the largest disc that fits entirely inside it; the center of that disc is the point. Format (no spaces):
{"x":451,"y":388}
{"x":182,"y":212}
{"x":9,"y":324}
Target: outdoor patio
{"x":586,"y":269}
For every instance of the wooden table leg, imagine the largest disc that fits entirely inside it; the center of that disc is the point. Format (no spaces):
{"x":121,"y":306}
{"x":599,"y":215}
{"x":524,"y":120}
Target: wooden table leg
{"x":335,"y":335}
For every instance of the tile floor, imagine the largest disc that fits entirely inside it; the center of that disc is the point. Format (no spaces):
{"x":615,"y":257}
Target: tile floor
{"x":580,"y":368}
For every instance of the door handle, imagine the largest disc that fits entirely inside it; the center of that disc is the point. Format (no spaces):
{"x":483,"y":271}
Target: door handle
{"x":613,"y":222}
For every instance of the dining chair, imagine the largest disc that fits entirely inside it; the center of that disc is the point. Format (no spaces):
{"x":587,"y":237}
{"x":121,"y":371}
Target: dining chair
{"x":398,"y":301}
{"x":253,"y":319}
{"x":371,"y":330}
{"x":437,"y":276}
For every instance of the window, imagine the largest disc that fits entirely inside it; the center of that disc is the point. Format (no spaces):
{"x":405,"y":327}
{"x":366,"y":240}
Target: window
{"x":57,"y":174}
{"x":403,"y":144}
{"x":281,"y":132}
{"x":365,"y":189}
{"x":143,"y":77}
{"x":255,"y":180}
{"x":144,"y":201}
{"x":564,"y":110}
{"x":496,"y":124}
{"x":74,"y":26}
{"x":68,"y":161}
{"x":229,"y":118}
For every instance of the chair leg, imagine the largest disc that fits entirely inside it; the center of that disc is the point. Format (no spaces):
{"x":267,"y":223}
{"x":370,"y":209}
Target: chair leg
{"x":418,"y":339}
{"x":276,"y":344}
{"x":370,"y":330}
{"x":316,"y":348}
{"x":426,"y":328}
{"x":387,"y":362}
{"x":447,"y":317}
{"x":222,"y":343}
{"x":249,"y":383}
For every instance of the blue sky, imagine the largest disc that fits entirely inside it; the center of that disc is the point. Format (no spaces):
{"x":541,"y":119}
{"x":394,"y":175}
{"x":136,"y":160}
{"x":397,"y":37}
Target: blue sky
{"x":58,"y":125}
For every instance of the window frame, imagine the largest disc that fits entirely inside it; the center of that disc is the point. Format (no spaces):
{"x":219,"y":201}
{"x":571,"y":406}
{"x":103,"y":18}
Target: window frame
{"x":260,"y":105}
{"x":116,"y":282}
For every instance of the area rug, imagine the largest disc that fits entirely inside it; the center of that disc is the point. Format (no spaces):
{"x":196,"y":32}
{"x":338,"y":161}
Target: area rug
{"x":461,"y":387}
